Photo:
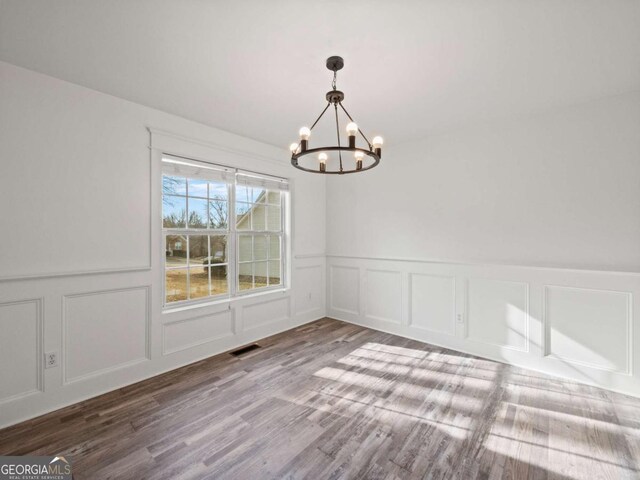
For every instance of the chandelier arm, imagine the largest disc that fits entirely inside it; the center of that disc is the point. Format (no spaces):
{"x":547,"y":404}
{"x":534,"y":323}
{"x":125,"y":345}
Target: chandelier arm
{"x":360,"y":131}
{"x":335,"y":105}
{"x":320,"y":116}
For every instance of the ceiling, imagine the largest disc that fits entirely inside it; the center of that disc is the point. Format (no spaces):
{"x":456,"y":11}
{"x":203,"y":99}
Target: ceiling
{"x":256,"y":68}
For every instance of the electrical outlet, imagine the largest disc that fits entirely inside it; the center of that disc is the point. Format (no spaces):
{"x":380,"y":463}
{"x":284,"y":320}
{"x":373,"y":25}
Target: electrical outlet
{"x":460,"y":318}
{"x":51,"y":359}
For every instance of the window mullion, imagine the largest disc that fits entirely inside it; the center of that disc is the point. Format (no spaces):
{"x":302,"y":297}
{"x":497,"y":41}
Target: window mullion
{"x":209,"y":223}
{"x":193,"y":231}
{"x":188,"y":269}
{"x":232,"y":252}
{"x":282,"y":239}
{"x":186,"y":203}
{"x":208,"y":263}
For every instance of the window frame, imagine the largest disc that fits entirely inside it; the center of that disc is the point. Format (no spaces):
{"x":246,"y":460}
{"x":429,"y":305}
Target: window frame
{"x":232,"y":234}
{"x":253,"y":233}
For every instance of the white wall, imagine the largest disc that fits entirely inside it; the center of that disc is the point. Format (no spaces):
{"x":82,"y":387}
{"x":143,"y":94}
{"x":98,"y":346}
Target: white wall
{"x":422,"y":245}
{"x":80,"y":265}
{"x":557,"y":189}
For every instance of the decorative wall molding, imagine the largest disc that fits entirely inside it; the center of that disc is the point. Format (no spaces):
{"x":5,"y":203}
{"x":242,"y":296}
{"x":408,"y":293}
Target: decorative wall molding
{"x":286,"y":315}
{"x":309,"y":267}
{"x":513,"y":313}
{"x":39,"y":350}
{"x":212,"y":317}
{"x":304,"y":256}
{"x":451,"y":262}
{"x":628,"y":330}
{"x":321,"y":306}
{"x":78,"y":388}
{"x":452,"y":326}
{"x":332,"y":295}
{"x":54,"y":275}
{"x":394,"y":288}
{"x":66,"y":380}
{"x":486,"y":320}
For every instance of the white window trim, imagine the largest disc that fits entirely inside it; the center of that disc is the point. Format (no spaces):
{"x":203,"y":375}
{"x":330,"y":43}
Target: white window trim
{"x":234,"y":292}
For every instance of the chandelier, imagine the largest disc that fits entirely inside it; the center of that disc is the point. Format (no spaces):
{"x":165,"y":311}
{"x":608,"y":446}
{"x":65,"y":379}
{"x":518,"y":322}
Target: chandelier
{"x":355,"y":159}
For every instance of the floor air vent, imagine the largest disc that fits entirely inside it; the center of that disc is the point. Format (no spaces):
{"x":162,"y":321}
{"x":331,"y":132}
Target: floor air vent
{"x":244,"y":350}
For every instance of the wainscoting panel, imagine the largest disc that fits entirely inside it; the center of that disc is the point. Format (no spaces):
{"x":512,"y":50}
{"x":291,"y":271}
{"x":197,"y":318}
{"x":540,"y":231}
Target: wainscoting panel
{"x":345,"y":289}
{"x":383,"y":295}
{"x":589,"y":327}
{"x":109,"y":331}
{"x":433,"y":303}
{"x":265,"y":313}
{"x":21,"y":355}
{"x":575,"y":324}
{"x":104,"y":331}
{"x":184,"y":334}
{"x":309,"y":283}
{"x":498,"y":313}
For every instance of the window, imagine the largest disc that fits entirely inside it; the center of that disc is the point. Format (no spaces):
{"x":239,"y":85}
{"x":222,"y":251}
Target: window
{"x":259,"y":227}
{"x":223,"y":231}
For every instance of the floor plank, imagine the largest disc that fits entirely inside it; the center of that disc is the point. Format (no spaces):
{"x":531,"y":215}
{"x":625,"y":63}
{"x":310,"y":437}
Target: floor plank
{"x":334,"y":400}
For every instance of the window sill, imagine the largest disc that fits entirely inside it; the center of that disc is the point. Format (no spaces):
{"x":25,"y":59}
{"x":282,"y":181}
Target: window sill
{"x":222,"y":301}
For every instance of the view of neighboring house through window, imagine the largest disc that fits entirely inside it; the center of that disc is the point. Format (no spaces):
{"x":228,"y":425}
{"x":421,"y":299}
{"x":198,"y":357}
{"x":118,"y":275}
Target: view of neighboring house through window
{"x":223,"y":231}
{"x":259,"y":226}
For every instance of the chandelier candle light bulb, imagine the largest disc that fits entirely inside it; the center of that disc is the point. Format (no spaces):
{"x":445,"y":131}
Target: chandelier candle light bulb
{"x":305,"y":133}
{"x":377,"y":145}
{"x":323,"y":161}
{"x":340,"y":163}
{"x":352,"y":129}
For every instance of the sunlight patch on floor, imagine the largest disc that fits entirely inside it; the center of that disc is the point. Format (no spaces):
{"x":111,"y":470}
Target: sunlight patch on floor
{"x":396,"y":351}
{"x":579,"y":420}
{"x":388,"y":414}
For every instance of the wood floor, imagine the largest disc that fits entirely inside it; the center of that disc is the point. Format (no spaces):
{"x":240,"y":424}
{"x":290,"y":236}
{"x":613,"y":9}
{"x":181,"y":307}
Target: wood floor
{"x":332,"y":400}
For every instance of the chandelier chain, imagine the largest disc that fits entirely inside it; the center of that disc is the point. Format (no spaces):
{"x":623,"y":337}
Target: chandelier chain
{"x":335,"y":76}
